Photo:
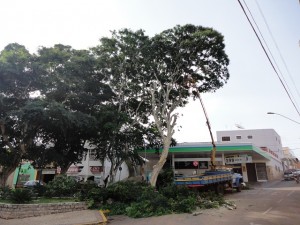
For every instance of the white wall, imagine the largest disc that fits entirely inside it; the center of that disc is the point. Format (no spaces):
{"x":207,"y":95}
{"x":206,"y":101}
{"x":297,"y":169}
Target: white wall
{"x":260,"y":138}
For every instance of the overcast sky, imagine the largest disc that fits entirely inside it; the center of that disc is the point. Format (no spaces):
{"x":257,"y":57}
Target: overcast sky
{"x":253,"y":88}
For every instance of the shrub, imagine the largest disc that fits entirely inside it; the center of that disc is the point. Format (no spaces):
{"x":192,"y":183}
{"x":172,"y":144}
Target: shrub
{"x":116,"y":208}
{"x":97,"y":197}
{"x":165,"y":178}
{"x":207,"y":200}
{"x":20,"y":196}
{"x":175,"y":192}
{"x":5,"y":193}
{"x":85,"y":188}
{"x":136,"y":199}
{"x":39,"y":190}
{"x":61,"y":186}
{"x":212,"y":196}
{"x":121,"y":192}
{"x":157,"y":205}
{"x":126,"y":191}
{"x":184,"y":205}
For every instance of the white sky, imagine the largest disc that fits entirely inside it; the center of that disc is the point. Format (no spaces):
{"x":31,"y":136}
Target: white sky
{"x":253,"y":88}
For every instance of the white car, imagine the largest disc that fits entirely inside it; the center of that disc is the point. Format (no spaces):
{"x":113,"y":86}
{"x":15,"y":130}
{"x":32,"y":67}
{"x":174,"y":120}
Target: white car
{"x":296,"y":173}
{"x":288,"y":174}
{"x":32,"y":183}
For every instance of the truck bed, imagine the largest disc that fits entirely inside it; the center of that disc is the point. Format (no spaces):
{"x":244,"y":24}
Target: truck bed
{"x":209,"y":177}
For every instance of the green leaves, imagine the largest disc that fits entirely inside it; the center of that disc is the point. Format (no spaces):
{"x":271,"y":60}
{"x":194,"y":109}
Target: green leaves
{"x":107,"y":95}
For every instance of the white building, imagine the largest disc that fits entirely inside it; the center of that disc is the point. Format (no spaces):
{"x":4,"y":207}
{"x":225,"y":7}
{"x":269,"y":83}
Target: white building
{"x":92,"y":169}
{"x":290,"y":160}
{"x":267,"y":140}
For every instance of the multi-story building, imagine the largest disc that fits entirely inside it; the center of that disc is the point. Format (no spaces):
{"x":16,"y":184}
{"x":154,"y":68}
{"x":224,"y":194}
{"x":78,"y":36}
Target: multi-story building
{"x":290,"y":160}
{"x":256,"y":154}
{"x":91,"y":168}
{"x":266,"y":139}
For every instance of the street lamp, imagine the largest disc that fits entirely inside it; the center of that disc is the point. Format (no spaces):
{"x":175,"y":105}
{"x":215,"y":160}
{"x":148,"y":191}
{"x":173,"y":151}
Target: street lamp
{"x":272,"y":113}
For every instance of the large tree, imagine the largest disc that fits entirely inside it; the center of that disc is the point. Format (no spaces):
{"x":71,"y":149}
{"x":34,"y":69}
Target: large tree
{"x":17,"y":82}
{"x":49,"y":102}
{"x":186,"y":60}
{"x":161,"y":73}
{"x":121,"y":63}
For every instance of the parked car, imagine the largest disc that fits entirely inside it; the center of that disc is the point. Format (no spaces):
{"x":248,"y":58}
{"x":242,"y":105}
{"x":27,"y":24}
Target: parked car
{"x":32,"y":183}
{"x":296,"y":175}
{"x":288,"y":174}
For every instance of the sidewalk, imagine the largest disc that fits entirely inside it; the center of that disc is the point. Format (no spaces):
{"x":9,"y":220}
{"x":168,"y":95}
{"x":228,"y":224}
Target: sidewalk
{"x":84,"y":217}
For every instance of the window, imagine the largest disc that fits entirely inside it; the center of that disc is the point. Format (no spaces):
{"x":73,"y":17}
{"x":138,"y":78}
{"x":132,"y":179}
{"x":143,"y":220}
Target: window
{"x":238,"y":137}
{"x":250,"y":137}
{"x":226,"y":138}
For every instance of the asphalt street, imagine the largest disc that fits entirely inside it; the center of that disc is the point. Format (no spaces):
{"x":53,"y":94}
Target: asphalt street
{"x":270,"y":203}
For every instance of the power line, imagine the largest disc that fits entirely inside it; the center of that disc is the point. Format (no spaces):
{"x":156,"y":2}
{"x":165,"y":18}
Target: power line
{"x":275,"y":43}
{"x":270,"y":52}
{"x":266,"y":53}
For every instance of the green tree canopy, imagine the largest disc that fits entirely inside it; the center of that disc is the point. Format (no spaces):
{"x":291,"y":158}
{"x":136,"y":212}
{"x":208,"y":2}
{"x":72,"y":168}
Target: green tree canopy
{"x":159,"y":74}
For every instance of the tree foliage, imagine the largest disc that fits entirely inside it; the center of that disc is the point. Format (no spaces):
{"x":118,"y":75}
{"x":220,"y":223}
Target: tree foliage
{"x":116,"y":96}
{"x":17,"y":81}
{"x":159,"y":74}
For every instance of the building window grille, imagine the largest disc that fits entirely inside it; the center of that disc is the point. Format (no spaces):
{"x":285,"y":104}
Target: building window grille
{"x":226,"y":138}
{"x":250,"y":137}
{"x":238,"y":137}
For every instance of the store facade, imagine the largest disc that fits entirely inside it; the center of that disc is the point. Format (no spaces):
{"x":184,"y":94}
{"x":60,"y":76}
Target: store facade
{"x":194,"y":158}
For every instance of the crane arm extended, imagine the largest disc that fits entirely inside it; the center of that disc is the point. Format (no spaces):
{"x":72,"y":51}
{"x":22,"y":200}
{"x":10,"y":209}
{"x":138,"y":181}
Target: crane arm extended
{"x":213,"y":151}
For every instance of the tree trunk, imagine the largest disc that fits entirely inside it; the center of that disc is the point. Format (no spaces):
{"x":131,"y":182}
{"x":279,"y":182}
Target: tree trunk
{"x":159,"y":165}
{"x":5,"y":174}
{"x":64,"y":169}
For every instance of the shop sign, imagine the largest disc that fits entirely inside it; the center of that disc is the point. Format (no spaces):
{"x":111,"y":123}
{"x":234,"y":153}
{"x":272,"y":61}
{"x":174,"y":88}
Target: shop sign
{"x":238,"y":159}
{"x":73,"y":169}
{"x":48,"y":171}
{"x":96,"y":169}
{"x":195,"y":163}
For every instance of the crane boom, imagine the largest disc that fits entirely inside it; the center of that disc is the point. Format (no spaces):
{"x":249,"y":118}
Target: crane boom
{"x":213,"y":151}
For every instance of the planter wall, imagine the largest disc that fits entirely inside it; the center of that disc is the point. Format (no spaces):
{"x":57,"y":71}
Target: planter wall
{"x":17,"y":211}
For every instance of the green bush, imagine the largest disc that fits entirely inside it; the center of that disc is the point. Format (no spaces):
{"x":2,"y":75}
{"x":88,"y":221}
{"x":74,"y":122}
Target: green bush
{"x":84,"y":189}
{"x":174,"y":192}
{"x":182,"y":199}
{"x":116,"y":208}
{"x":97,"y":197}
{"x":39,"y":190}
{"x":61,"y":186}
{"x":184,"y":204}
{"x":5,"y":192}
{"x":165,"y":178}
{"x":20,"y":196}
{"x":126,"y":191}
{"x":157,"y":205}
{"x":149,"y":203}
{"x":212,"y":196}
{"x":122,"y":192}
{"x":136,"y":199}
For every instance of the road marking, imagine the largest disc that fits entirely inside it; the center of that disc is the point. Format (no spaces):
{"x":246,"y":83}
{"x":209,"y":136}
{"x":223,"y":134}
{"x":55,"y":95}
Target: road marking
{"x":267,"y":210}
{"x":254,"y":223}
{"x":280,"y":200}
{"x":289,"y":194}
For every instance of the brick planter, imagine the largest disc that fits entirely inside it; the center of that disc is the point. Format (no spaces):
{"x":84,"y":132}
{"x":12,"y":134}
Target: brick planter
{"x":18,"y":211}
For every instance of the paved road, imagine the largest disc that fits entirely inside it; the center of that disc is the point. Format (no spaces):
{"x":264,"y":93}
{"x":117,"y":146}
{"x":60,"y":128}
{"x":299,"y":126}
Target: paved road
{"x":272,"y":203}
